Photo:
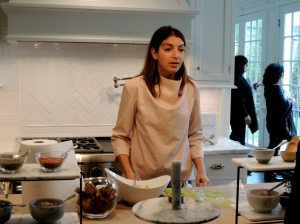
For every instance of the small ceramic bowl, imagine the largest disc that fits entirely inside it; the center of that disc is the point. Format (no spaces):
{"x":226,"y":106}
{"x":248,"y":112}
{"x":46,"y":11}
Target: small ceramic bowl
{"x":50,"y":161}
{"x":263,"y":155}
{"x":47,"y":210}
{"x":283,"y":199}
{"x":5,"y":210}
{"x":12,"y":162}
{"x":262,"y":201}
{"x":142,"y":190}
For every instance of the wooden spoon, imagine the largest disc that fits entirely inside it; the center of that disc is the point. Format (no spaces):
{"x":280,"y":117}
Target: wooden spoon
{"x":271,"y":189}
{"x":281,"y":144}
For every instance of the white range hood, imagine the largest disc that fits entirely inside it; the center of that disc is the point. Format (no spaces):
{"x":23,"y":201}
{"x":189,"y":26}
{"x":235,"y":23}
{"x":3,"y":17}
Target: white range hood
{"x":105,"y":21}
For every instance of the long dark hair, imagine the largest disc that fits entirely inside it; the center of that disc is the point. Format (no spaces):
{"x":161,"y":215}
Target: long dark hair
{"x":273,"y":74}
{"x":239,"y":64}
{"x":150,"y":72}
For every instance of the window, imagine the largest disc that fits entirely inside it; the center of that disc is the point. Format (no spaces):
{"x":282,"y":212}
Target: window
{"x":291,"y":60}
{"x":249,"y":42}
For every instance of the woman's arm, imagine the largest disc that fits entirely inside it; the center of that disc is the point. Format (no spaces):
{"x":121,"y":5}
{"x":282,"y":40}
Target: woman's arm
{"x":195,"y":141}
{"x":121,"y":133}
{"x":124,"y":161}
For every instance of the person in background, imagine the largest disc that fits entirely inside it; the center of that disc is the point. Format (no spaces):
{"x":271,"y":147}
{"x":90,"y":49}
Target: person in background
{"x":159,"y":114}
{"x":242,"y":103}
{"x":279,"y":108}
{"x":279,"y":117}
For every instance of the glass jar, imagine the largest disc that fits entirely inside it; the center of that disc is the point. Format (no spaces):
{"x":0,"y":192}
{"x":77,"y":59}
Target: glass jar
{"x":99,"y":197}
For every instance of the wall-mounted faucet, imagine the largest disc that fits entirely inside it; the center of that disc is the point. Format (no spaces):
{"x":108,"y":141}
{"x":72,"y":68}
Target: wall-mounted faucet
{"x":116,"y":81}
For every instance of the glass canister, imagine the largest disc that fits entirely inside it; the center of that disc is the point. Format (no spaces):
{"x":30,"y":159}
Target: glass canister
{"x":99,"y":197}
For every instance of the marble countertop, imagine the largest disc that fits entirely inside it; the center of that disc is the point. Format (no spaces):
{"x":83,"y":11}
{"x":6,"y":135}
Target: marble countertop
{"x":68,"y":218}
{"x":226,"y":146}
{"x":32,"y":172}
{"x":223,"y":146}
{"x":276,"y":163}
{"x":123,"y":213}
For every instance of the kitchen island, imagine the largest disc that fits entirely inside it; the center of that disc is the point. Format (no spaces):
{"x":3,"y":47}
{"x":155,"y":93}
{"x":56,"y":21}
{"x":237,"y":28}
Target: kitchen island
{"x":124,"y":215}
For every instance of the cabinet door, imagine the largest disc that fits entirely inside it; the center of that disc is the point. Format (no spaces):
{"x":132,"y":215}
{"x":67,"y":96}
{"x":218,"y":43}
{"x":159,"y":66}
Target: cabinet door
{"x":213,"y":36}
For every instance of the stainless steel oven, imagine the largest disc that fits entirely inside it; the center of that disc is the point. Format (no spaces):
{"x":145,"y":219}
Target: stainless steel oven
{"x":94,"y":154}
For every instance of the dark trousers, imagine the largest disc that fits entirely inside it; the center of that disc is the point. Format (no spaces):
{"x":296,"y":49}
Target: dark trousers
{"x":275,"y":139}
{"x":238,"y":131}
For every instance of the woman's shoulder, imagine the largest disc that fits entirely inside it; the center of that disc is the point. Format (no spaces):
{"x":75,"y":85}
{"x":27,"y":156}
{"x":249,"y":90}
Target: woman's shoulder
{"x":134,"y":82}
{"x":193,"y":83}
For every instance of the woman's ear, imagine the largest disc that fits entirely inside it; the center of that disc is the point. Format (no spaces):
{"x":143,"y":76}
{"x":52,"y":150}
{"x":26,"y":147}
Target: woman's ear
{"x":154,"y":53}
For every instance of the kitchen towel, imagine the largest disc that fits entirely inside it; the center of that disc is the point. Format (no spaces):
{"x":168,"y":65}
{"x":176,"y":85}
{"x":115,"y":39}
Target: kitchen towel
{"x":37,"y":145}
{"x":42,"y":189}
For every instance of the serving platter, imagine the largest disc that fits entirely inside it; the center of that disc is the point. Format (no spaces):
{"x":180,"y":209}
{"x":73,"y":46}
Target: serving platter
{"x":159,"y":210}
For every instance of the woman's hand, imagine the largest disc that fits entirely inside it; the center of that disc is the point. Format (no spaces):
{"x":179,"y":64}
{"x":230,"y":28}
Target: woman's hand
{"x":201,"y":179}
{"x":248,"y":120}
{"x":292,"y":99}
{"x":125,"y":164}
{"x":129,"y":175}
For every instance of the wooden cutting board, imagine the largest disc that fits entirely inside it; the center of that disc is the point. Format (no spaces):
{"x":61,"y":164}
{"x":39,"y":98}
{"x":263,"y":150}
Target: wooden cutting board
{"x":159,"y":210}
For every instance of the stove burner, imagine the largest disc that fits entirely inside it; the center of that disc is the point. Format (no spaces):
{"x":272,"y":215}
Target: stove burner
{"x":86,"y":144}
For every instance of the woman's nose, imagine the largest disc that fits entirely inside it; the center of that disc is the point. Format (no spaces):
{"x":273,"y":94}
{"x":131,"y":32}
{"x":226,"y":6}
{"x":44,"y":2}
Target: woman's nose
{"x":176,"y":53}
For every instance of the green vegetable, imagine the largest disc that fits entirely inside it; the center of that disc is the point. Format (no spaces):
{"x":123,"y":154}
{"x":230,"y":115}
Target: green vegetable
{"x":216,"y":198}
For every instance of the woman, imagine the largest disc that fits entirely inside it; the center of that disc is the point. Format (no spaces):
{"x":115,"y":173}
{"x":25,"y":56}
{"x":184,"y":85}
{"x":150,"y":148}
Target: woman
{"x":242,"y":103}
{"x":279,"y":109}
{"x":159,"y":114}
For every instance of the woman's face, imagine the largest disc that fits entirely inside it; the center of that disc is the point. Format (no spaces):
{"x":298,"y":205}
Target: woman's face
{"x":169,"y":57}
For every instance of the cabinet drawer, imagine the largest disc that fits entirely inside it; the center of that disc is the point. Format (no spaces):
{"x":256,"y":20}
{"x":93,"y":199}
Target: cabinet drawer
{"x":220,"y":168}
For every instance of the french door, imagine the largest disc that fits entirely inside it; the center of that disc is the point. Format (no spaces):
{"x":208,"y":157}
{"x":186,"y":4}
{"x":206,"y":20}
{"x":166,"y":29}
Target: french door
{"x":249,"y":41}
{"x":290,"y":52}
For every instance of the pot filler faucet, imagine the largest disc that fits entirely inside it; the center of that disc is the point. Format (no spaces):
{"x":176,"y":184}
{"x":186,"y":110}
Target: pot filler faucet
{"x":116,"y":81}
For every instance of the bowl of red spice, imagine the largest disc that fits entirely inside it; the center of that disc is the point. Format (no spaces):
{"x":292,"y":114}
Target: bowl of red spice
{"x":50,"y":161}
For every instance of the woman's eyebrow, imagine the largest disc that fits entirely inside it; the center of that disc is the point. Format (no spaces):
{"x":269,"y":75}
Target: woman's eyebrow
{"x":169,"y":44}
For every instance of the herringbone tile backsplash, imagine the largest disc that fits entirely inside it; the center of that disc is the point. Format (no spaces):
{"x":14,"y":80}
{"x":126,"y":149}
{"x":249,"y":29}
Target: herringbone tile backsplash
{"x":67,"y":88}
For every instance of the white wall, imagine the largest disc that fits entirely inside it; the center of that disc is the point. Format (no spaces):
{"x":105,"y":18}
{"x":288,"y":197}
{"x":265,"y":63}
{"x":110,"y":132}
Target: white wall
{"x":67,"y":89}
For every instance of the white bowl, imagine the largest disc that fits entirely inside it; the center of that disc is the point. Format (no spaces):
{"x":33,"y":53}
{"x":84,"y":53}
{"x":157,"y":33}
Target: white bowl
{"x":143,"y":190}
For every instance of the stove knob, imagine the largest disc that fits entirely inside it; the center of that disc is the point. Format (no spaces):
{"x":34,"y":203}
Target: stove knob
{"x":95,"y":172}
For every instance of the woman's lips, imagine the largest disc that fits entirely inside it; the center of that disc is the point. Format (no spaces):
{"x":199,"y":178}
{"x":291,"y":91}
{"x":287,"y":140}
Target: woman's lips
{"x":174,"y":64}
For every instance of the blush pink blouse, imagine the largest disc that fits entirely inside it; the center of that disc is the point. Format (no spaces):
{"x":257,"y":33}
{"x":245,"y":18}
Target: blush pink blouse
{"x":155,"y":131}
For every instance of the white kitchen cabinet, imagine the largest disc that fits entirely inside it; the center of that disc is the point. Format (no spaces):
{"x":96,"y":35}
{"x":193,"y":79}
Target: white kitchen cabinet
{"x":218,"y":161}
{"x":213,"y":41}
{"x":221,"y":170}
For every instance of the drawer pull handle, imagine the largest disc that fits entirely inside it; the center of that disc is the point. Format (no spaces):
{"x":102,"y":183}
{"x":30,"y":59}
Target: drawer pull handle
{"x":217,"y":166}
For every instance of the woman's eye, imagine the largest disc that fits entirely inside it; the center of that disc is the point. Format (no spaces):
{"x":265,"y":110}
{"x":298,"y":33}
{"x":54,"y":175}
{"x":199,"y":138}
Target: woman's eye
{"x":182,"y":50}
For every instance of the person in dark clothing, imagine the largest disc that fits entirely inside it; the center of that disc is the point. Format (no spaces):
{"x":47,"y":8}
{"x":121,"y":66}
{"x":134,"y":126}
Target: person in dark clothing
{"x":242,"y":104}
{"x":279,"y":118}
{"x":279,"y":108}
{"x":292,"y":209}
